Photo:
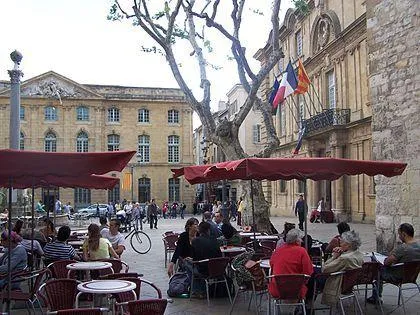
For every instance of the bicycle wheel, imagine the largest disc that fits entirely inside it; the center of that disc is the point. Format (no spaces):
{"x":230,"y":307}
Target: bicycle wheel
{"x":140,"y":242}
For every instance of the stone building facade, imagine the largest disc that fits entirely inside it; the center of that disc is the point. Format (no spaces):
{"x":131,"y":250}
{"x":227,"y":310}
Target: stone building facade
{"x":393,"y":33}
{"x":332,"y":43}
{"x":58,"y":114}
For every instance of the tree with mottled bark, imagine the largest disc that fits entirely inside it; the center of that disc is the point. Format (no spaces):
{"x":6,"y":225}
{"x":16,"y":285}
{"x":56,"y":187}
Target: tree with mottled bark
{"x":187,"y":20}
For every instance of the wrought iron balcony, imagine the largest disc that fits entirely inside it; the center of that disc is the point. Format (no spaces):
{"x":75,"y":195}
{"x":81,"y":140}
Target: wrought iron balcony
{"x":328,"y":118}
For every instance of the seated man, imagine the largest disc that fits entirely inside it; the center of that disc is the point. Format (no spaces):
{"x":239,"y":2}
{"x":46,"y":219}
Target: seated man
{"x":27,"y":243}
{"x":408,"y":251}
{"x":291,"y":258}
{"x":59,"y":249}
{"x":114,"y":236}
{"x":104,"y":223}
{"x":18,"y":257}
{"x":203,"y":247}
{"x":218,"y":219}
{"x":229,"y":235}
{"x":214,"y":230}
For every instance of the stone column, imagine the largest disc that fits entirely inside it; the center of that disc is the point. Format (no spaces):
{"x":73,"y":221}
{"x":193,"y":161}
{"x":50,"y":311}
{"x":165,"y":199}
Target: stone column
{"x":395,"y":112}
{"x":14,"y":127}
{"x":338,"y":192}
{"x":313,"y":187}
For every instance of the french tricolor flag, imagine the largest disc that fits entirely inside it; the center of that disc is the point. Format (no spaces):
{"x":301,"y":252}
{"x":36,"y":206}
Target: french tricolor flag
{"x":288,"y":85}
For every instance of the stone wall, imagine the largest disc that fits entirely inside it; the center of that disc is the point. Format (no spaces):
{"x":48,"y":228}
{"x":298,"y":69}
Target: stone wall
{"x":393,"y":45}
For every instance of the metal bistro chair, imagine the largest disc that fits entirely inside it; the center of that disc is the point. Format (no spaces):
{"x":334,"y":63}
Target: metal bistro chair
{"x":118,"y":266}
{"x":410,"y":272}
{"x":29,"y":297}
{"x":216,"y":274}
{"x":370,"y":276}
{"x":269,"y":244}
{"x":251,"y":286}
{"x":169,"y":244}
{"x":113,"y":276}
{"x":148,"y":307}
{"x":123,"y":298}
{"x":289,"y":288}
{"x":59,"y":269}
{"x":316,"y":256}
{"x":350,"y":278}
{"x":60,"y":294}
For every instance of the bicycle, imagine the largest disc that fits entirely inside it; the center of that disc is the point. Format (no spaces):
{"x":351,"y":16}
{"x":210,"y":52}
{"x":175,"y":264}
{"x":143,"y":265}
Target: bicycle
{"x":139,"y":241}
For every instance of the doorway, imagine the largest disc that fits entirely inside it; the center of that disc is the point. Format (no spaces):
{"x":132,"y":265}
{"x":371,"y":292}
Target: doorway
{"x":144,"y":186}
{"x":49,"y":196}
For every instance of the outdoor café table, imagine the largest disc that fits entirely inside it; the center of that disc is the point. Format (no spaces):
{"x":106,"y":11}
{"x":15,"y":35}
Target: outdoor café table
{"x":78,"y":243}
{"x":249,"y":233}
{"x":267,"y":237}
{"x":105,"y":287}
{"x":265,"y":263}
{"x":89,"y":265}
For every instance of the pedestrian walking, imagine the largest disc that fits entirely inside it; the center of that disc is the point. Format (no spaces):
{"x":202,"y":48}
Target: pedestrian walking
{"x":300,"y":211}
{"x":153,"y":214}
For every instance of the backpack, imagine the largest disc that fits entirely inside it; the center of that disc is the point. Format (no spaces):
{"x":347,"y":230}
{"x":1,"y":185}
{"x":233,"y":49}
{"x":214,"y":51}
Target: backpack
{"x":179,"y":284}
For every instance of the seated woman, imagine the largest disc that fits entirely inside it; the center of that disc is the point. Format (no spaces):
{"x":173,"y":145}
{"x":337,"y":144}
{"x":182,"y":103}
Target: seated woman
{"x":229,"y":236}
{"x":183,"y":247}
{"x":49,"y":230}
{"x":18,"y":257}
{"x":95,"y":247}
{"x":287,"y":227}
{"x":336,"y":240}
{"x":345,"y":257}
{"x":18,"y":227}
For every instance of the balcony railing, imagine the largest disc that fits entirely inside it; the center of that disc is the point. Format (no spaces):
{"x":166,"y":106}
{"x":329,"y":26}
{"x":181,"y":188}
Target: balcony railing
{"x":328,"y":118}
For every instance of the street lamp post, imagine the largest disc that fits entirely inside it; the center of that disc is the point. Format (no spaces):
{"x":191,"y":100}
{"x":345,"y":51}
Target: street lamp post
{"x":15,"y":75}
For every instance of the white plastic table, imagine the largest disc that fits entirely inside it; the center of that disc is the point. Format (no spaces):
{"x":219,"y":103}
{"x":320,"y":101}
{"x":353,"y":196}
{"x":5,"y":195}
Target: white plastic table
{"x":232,"y":249}
{"x":265,"y":263}
{"x":267,"y":237}
{"x":249,"y":233}
{"x":88,"y":265}
{"x":105,"y":287}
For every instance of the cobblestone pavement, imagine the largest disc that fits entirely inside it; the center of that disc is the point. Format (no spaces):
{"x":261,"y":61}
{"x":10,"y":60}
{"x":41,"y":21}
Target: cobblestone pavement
{"x":151,"y":265}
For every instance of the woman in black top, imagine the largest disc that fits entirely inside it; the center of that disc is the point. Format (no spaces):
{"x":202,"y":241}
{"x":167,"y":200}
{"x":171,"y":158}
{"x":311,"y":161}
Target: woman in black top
{"x":183,"y":246}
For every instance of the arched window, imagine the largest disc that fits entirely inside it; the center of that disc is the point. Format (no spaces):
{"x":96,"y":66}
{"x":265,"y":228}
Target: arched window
{"x":144,"y":190}
{"x":173,"y":116}
{"x":22,"y":141}
{"x":173,"y":149}
{"x":50,"y":142}
{"x":82,"y":142}
{"x":50,"y":113}
{"x":82,"y":113}
{"x":173,"y":189}
{"x":113,"y":114}
{"x":143,"y":116}
{"x":143,"y":152}
{"x":113,"y":142}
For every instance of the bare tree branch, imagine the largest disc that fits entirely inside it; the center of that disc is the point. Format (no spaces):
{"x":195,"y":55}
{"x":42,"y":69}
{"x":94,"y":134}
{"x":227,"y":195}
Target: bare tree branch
{"x":148,"y":19}
{"x":171,"y":21}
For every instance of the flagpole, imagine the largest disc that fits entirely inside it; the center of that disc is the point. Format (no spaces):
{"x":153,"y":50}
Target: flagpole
{"x":317,"y":96}
{"x":306,"y":104}
{"x":312,"y":102}
{"x":291,"y":110}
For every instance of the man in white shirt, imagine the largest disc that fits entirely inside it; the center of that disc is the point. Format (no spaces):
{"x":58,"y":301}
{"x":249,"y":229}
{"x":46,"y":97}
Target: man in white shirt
{"x":114,"y":236}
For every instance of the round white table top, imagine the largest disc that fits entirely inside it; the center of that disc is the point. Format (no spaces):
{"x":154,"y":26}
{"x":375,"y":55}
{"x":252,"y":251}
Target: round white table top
{"x":265,"y":263}
{"x":267,"y":237}
{"x":249,"y":233}
{"x":76,"y":243}
{"x":89,"y":265}
{"x":106,"y":286}
{"x":232,"y":249}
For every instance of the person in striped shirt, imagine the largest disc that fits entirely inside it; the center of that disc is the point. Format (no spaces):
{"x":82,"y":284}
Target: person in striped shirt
{"x":59,"y":249}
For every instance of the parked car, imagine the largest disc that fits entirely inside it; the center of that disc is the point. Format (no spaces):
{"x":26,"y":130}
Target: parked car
{"x":92,"y":210}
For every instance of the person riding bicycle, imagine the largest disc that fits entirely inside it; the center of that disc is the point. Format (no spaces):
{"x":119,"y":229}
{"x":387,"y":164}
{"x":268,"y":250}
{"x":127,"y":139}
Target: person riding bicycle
{"x":114,"y":236}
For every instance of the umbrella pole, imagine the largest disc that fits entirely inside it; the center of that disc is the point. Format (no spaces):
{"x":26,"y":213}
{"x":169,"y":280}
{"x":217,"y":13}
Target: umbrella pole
{"x":305,"y":205}
{"x":33,"y":227}
{"x":253,"y":216}
{"x":9,"y":249}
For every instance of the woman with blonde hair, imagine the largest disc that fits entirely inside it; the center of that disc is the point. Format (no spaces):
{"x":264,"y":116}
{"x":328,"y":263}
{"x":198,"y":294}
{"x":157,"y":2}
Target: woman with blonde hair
{"x":95,"y":247}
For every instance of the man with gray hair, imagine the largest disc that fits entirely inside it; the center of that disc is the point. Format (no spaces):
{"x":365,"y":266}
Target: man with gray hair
{"x":290,"y":258}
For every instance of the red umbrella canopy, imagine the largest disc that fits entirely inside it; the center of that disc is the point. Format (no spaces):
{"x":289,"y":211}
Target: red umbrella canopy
{"x":288,"y":168}
{"x":88,"y":181}
{"x":15,"y":163}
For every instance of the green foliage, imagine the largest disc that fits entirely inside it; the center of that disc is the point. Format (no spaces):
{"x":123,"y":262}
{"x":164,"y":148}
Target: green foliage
{"x":257,"y":11}
{"x":158,"y":15}
{"x":114,"y":13}
{"x":153,"y":50}
{"x":301,"y":6}
{"x":207,"y":44}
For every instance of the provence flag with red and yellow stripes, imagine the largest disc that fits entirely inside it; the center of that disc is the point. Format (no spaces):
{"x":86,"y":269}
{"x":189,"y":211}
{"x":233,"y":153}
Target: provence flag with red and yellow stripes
{"x":303,"y":79}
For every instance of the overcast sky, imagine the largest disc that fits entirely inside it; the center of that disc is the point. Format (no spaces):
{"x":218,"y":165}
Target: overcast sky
{"x":74,"y":39}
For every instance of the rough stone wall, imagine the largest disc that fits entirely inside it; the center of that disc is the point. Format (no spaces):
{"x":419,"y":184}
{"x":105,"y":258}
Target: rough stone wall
{"x":393,"y":46}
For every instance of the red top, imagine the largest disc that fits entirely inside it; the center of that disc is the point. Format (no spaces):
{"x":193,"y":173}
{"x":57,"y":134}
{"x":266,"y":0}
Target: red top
{"x":289,"y":259}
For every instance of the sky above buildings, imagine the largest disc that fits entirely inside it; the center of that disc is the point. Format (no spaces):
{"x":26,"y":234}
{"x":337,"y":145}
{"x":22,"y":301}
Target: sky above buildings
{"x":74,"y":39}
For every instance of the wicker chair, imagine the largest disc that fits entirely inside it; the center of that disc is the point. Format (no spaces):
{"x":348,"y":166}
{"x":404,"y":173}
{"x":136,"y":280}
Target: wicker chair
{"x":118,"y":266}
{"x":410,"y":272}
{"x":148,"y":307}
{"x":269,"y":244}
{"x":60,"y":294}
{"x":169,"y":244}
{"x":59,"y":269}
{"x":123,"y":298}
{"x":370,"y":276}
{"x":289,"y":288}
{"x":29,"y":297}
{"x":112,"y":276}
{"x":216,"y":274}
